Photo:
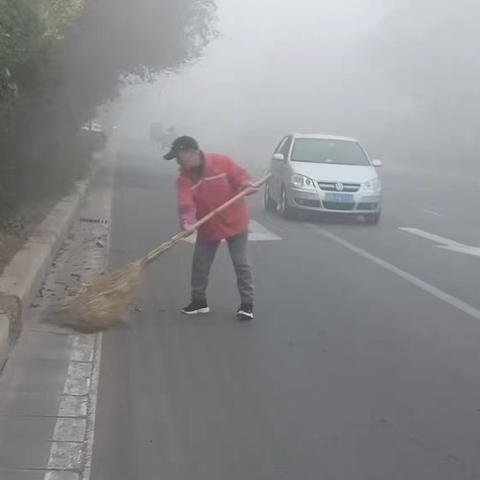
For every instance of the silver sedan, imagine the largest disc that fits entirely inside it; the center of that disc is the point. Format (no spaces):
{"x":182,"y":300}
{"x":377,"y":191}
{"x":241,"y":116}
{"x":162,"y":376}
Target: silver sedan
{"x":326,"y":174}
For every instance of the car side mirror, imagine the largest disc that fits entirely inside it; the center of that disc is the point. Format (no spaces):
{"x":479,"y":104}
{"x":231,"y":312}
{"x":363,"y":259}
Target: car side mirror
{"x":279,"y":157}
{"x":377,"y":163}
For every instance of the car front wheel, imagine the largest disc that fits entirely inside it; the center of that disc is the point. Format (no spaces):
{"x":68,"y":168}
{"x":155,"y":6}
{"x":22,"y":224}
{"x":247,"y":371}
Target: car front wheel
{"x":373,"y":218}
{"x":285,"y":209}
{"x":269,"y":203}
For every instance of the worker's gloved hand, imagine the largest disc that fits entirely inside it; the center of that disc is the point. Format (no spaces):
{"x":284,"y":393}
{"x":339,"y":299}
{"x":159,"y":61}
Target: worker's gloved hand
{"x":188,"y":228}
{"x":252,"y":188}
{"x":187,"y":217}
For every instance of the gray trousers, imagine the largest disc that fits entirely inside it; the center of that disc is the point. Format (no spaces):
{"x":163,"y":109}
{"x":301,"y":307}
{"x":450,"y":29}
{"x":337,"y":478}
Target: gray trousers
{"x":202,"y":261}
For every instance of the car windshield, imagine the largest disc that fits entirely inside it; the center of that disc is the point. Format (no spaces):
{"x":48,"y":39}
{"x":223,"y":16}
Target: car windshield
{"x":340,"y":152}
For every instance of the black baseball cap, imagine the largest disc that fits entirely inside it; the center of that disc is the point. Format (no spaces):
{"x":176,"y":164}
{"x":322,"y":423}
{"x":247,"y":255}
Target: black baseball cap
{"x":179,"y":144}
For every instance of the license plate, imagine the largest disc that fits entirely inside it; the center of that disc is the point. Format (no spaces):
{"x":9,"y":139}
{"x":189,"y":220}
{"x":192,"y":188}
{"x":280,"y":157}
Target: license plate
{"x":339,"y":197}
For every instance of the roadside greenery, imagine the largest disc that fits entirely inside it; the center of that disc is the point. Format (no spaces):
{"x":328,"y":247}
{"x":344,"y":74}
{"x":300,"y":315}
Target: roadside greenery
{"x":60,"y":60}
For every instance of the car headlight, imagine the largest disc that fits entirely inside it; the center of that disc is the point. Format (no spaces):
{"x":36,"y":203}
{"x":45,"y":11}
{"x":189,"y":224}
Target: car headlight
{"x":305,"y":183}
{"x":373,"y":186}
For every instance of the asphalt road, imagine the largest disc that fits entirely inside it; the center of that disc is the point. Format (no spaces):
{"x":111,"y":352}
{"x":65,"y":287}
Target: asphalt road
{"x":362,"y":363}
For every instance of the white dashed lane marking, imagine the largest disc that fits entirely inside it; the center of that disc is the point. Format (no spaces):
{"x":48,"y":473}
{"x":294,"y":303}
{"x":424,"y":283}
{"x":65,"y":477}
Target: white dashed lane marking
{"x":443,"y":242}
{"x":257,"y":233}
{"x":432,"y":212}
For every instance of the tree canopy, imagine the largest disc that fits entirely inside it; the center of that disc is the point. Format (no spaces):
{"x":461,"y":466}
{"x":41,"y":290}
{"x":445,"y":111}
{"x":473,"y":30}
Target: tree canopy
{"x":61,"y":59}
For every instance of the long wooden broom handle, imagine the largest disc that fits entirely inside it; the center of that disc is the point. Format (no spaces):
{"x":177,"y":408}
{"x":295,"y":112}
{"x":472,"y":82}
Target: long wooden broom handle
{"x":152,"y":256}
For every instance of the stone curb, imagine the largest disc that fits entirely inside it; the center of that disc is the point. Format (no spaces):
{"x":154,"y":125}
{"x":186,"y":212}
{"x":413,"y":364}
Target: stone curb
{"x":4,"y":338}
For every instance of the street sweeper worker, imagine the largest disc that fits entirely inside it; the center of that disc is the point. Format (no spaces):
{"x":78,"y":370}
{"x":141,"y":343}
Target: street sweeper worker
{"x":206,"y":181}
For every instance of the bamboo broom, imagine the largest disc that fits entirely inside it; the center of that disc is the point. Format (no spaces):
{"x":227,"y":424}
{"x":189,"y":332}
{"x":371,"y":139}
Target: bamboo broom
{"x":102,"y":305}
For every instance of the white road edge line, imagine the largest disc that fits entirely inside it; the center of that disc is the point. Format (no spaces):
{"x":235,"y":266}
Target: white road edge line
{"x":95,"y":379}
{"x":92,"y":407}
{"x":417,"y":282}
{"x":72,"y":445}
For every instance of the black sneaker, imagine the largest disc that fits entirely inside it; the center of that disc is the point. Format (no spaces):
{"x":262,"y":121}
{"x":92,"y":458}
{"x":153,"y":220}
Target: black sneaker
{"x":245,"y":312}
{"x":196,"y":307}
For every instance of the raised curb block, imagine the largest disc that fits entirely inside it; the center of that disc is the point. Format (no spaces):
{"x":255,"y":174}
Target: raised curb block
{"x":23,"y":276}
{"x":4,"y":338}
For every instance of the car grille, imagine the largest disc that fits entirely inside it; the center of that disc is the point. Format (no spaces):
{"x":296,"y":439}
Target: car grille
{"x":338,"y":206}
{"x":308,"y":203}
{"x":332,"y":187}
{"x":367,"y":206}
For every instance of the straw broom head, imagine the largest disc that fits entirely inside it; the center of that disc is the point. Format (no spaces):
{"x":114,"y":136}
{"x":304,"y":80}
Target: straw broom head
{"x":102,"y":305}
